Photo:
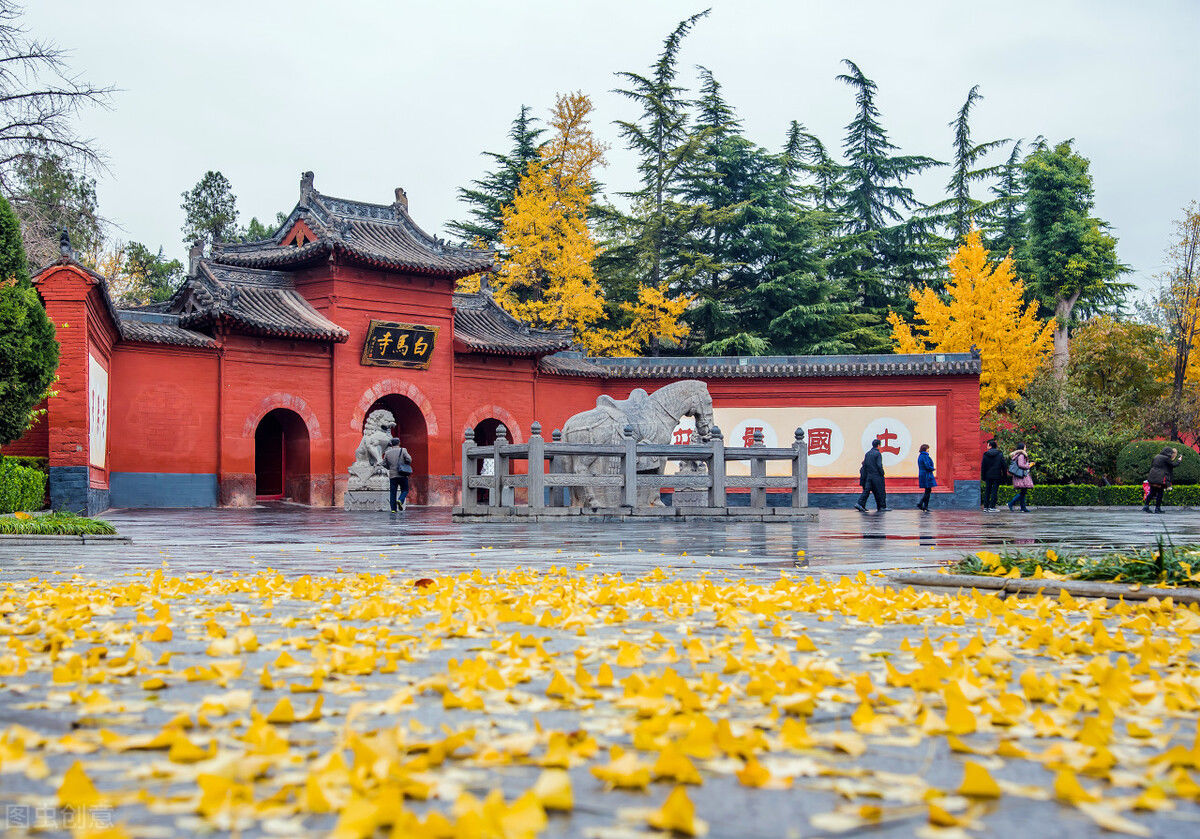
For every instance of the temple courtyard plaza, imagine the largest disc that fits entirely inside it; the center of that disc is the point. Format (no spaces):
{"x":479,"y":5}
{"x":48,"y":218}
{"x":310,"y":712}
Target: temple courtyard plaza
{"x":291,"y":671}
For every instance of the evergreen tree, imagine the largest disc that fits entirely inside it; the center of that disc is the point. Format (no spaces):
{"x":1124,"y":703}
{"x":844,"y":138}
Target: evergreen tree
{"x":1070,"y":259}
{"x":48,"y":195}
{"x":646,"y":241}
{"x":960,"y":211}
{"x":211,"y":210}
{"x":727,"y":193}
{"x":487,"y":197}
{"x":28,"y":349}
{"x":147,"y":277}
{"x":893,"y":251}
{"x":1006,"y":221}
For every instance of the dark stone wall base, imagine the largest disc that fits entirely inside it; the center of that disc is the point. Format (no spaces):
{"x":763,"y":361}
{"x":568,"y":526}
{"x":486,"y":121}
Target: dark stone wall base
{"x":69,"y":486}
{"x":162,"y":489}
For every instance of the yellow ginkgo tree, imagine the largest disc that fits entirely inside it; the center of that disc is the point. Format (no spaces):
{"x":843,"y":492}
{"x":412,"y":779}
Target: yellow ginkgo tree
{"x":547,"y":278}
{"x":984,"y":307}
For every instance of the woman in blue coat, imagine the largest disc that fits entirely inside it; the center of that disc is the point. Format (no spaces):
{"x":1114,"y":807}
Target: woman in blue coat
{"x":925,"y":478}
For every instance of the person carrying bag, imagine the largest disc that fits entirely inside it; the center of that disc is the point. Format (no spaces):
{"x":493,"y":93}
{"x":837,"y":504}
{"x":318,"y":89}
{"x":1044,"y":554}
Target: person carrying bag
{"x":399,"y":466}
{"x":1019,"y":467}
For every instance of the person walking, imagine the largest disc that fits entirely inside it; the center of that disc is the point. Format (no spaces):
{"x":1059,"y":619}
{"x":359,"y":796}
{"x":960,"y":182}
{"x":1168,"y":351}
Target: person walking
{"x":1161,"y":469}
{"x":870,"y":478}
{"x":1022,"y":479}
{"x":992,"y":471}
{"x":925,"y":479}
{"x":399,"y":466}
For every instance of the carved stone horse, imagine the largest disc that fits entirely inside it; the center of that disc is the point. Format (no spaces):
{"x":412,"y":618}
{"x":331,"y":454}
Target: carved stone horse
{"x":653,"y":418}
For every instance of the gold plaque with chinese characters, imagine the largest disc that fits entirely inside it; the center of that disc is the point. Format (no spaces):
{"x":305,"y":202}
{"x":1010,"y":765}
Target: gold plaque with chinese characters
{"x":399,"y":344}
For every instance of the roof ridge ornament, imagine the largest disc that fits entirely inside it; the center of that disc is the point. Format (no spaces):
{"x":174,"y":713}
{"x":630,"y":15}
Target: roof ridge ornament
{"x":306,"y":186}
{"x":401,"y":199}
{"x":64,"y":245}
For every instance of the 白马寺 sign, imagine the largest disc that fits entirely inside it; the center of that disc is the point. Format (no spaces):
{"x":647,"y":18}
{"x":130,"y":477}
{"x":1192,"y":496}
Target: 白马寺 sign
{"x":399,"y":344}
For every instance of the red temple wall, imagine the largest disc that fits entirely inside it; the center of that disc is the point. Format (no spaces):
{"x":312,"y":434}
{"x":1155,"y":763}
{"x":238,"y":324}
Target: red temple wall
{"x":163,"y":410}
{"x":35,"y":442}
{"x":179,"y":410}
{"x":257,"y":376}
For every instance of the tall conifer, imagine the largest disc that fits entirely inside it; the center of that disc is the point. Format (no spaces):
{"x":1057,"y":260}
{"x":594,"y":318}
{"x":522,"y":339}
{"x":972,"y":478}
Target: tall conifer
{"x":487,"y":197}
{"x":894,"y":249}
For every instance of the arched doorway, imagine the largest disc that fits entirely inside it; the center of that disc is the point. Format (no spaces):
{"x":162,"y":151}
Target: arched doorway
{"x":410,"y":428}
{"x":281,"y":457}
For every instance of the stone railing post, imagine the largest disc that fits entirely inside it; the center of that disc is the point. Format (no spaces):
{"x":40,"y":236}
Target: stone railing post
{"x":758,"y":469}
{"x":537,"y":467}
{"x":630,"y":468}
{"x":559,"y":496}
{"x":500,"y":463}
{"x":800,"y":470}
{"x":716,"y":469}
{"x":468,"y":469}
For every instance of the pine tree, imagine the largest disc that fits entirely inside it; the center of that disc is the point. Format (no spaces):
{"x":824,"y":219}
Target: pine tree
{"x":959,"y":212}
{"x":646,"y":241}
{"x":211,"y":210}
{"x":984,"y":308}
{"x":1070,"y":259}
{"x":894,"y":250}
{"x":28,"y":349}
{"x":1005,"y":224}
{"x":487,"y":197}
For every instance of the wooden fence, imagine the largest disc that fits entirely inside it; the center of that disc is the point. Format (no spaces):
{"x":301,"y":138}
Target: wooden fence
{"x":487,"y":471}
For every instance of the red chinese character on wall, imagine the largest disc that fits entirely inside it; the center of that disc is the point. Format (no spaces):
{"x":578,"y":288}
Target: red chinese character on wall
{"x":748,"y":436}
{"x":887,"y":437}
{"x":681,"y":436}
{"x":820,"y":441}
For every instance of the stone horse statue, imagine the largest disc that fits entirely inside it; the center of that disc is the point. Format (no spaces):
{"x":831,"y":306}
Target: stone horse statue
{"x":368,"y":471}
{"x":653,"y":418}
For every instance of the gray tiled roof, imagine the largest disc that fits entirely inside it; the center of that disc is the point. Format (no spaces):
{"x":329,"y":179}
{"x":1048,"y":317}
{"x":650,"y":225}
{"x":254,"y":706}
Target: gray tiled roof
{"x":152,"y":327}
{"x":250,"y":300}
{"x":783,"y":367}
{"x":378,"y":235}
{"x":480,"y":325}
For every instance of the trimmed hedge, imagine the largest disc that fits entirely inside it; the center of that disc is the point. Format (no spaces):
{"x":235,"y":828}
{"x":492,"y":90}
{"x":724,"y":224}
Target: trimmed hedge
{"x":21,"y":488}
{"x":42,"y":464}
{"x":1088,"y":495}
{"x":1133,"y":462}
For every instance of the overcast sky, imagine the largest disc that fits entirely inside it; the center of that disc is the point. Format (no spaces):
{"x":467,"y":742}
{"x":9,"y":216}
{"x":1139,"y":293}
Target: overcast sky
{"x":374,"y":95}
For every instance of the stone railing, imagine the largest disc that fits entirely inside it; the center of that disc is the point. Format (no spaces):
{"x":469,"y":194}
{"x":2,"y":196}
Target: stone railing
{"x":487,"y":471}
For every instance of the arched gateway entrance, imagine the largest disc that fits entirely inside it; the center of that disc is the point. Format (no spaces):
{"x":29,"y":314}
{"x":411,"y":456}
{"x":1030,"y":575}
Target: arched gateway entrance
{"x":414,"y":436}
{"x":281,"y":457}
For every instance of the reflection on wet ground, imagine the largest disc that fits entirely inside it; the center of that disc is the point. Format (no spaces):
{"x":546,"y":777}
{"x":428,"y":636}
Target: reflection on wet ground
{"x":297,"y":539}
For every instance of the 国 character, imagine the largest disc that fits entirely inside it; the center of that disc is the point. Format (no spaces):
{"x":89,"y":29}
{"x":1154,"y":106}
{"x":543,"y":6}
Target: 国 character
{"x":820,"y":441}
{"x":748,"y":436}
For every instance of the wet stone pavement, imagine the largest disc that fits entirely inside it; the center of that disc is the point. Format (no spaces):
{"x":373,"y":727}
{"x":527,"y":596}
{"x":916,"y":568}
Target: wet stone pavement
{"x":302,"y":540}
{"x":240,"y":646}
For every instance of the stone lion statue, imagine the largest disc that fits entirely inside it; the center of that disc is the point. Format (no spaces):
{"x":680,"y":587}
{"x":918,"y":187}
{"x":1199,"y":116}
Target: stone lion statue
{"x":368,"y":471}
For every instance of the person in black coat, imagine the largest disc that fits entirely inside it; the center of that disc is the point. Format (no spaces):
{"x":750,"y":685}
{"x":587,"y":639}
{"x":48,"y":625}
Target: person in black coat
{"x":993,"y":471}
{"x":1161,"y":467}
{"x":870,"y":478}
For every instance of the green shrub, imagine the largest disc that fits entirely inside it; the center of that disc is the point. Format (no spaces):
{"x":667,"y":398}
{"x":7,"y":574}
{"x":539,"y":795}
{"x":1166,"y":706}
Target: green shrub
{"x":1133,"y":462}
{"x":1087,"y":495}
{"x":42,"y":464}
{"x":57,"y":523}
{"x":21,"y":488}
